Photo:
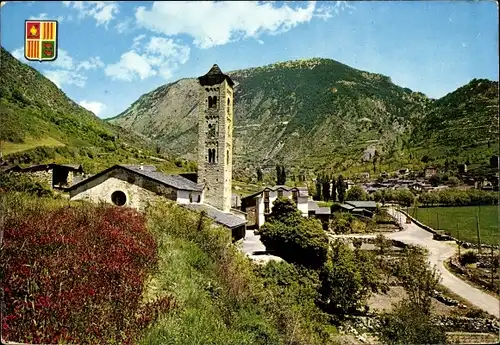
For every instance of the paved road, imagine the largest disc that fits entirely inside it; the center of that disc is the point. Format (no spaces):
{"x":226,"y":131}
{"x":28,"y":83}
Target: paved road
{"x":439,"y":251}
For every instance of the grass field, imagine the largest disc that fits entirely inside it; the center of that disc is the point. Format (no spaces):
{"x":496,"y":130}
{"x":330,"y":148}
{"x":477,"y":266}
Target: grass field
{"x":29,"y":143}
{"x":465,"y":217}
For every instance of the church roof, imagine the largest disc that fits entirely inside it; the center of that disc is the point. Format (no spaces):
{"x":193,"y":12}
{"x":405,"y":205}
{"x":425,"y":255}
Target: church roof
{"x":175,"y":181}
{"x":214,"y":76}
{"x":227,"y":219}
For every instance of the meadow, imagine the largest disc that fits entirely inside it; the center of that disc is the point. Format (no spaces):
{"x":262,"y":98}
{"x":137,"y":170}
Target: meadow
{"x":447,"y":218}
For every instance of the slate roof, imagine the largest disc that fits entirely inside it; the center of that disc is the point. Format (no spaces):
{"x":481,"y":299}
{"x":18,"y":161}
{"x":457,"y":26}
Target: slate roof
{"x":302,"y":191}
{"x":323,"y":210}
{"x":346,"y":206}
{"x":214,"y":76}
{"x":362,"y":204}
{"x":138,"y":167}
{"x":312,"y":205}
{"x":175,"y":181}
{"x":227,"y":219}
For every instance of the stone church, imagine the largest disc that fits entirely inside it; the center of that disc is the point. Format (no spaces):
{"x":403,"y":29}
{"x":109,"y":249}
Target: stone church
{"x":136,"y":186}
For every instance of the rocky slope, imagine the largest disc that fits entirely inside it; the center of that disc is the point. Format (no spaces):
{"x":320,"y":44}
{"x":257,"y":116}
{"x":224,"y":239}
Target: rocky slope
{"x":303,"y":113}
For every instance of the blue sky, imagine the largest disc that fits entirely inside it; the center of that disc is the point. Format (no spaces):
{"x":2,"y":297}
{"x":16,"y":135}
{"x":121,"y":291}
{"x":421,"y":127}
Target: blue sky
{"x":110,"y":53}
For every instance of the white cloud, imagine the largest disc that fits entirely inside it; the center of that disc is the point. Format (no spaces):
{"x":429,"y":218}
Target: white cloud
{"x":124,"y":26}
{"x":160,"y":56}
{"x":95,"y":107}
{"x":19,"y":54}
{"x":102,"y":11}
{"x":64,"y":70}
{"x":62,"y":77}
{"x":41,"y":16}
{"x":212,"y":23}
{"x":130,"y":66}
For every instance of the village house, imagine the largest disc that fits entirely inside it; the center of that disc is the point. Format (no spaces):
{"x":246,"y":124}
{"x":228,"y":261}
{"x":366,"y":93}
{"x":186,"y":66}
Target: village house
{"x":259,"y":205}
{"x":57,"y":176}
{"x":208,"y":191}
{"x":429,"y":172}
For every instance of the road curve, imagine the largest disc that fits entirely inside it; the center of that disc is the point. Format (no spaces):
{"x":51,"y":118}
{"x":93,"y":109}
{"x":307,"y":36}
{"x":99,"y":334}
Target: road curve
{"x":439,"y":252}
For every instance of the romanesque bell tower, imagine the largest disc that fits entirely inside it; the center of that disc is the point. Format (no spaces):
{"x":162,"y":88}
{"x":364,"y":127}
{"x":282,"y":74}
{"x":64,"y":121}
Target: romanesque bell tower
{"x":215,"y":138}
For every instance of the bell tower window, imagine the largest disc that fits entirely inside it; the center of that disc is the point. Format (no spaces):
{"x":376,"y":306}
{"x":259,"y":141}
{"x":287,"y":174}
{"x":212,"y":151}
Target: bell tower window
{"x":212,"y":102}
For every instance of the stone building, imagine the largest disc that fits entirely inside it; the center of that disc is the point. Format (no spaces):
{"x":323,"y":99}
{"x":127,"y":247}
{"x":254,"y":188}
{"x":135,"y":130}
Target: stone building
{"x":259,"y":205}
{"x":208,"y":191}
{"x":215,"y":138}
{"x":57,"y":176}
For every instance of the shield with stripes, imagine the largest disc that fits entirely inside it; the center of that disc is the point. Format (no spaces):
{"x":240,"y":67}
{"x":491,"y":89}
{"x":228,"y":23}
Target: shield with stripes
{"x":40,"y":40}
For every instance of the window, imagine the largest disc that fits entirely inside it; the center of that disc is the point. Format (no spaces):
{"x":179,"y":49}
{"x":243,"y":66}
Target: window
{"x":227,"y":156}
{"x":212,"y":101}
{"x":280,"y":193}
{"x":118,"y":198}
{"x":212,"y":156}
{"x":228,"y":103}
{"x":190,"y":197}
{"x":266,"y":196}
{"x":266,"y":207}
{"x":295,"y":196}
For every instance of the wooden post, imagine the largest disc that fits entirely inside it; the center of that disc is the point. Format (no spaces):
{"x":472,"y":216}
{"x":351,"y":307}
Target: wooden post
{"x":493,"y":269}
{"x":478,"y":235}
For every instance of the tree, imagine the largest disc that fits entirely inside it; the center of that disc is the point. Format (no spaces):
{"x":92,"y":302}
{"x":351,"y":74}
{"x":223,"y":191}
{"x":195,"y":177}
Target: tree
{"x":334,"y":190}
{"x":375,"y":159}
{"x":278,"y":175}
{"x":325,"y":187}
{"x":407,"y":325}
{"x":283,"y":175}
{"x":356,"y":193}
{"x":294,"y":238}
{"x":418,"y":279}
{"x":341,"y":188}
{"x":259,"y":175}
{"x":345,"y":285}
{"x":284,"y":210}
{"x":318,"y":188}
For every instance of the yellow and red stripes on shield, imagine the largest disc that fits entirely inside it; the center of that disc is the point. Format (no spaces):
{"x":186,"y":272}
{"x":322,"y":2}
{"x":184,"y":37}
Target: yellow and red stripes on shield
{"x":33,"y":49}
{"x":48,"y":30}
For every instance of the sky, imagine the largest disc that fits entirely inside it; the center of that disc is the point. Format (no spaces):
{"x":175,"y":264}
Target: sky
{"x":112,"y":52}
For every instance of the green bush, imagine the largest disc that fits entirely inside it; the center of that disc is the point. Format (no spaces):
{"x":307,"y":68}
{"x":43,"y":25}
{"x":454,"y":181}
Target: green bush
{"x":469,"y":257}
{"x":19,"y":182}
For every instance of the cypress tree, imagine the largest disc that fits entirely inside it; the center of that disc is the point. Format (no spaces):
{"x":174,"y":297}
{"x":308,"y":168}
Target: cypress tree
{"x":334,"y":190}
{"x":341,"y":188}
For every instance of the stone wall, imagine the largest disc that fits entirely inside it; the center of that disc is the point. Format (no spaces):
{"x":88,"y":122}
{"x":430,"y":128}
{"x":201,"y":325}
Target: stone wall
{"x":139,"y":190}
{"x":42,"y":176}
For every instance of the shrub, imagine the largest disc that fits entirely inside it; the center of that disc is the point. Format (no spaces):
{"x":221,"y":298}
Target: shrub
{"x":76,"y":274}
{"x":19,"y":182}
{"x":406,"y":324}
{"x":468,"y":257}
{"x":356,"y":193}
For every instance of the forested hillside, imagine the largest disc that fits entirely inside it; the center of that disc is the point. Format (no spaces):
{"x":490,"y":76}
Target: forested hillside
{"x":41,"y":124}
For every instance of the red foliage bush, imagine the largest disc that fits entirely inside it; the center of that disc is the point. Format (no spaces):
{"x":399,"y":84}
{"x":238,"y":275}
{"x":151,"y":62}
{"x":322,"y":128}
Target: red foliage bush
{"x":77,"y":274}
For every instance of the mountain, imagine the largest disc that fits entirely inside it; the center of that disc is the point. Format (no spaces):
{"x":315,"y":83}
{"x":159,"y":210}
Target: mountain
{"x":464,"y":118}
{"x":323,"y":115}
{"x":41,"y":124}
{"x":306,"y":113}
